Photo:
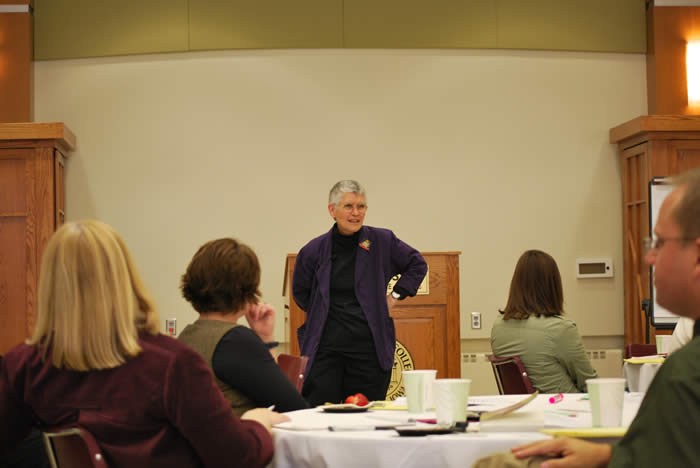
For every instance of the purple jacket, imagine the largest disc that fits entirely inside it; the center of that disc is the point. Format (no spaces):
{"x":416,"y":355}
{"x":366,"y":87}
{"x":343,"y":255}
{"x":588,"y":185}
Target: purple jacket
{"x":380,"y":256}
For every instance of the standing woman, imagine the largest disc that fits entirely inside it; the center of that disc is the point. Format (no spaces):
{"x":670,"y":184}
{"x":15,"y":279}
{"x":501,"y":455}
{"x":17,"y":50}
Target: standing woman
{"x":533,"y":328}
{"x":340,"y":281}
{"x":97,"y":361}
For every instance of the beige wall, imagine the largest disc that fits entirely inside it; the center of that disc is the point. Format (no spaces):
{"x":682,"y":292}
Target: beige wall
{"x":486,"y":152}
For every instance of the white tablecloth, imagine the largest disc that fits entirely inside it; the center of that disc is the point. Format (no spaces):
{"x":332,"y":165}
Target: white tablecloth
{"x":639,"y":376}
{"x":308,"y":443}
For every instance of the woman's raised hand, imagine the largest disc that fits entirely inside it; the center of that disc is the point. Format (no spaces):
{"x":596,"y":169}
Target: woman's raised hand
{"x":261,"y":318}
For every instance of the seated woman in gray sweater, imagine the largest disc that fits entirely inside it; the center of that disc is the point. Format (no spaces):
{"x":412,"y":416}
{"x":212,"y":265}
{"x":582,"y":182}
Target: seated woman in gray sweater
{"x":221,"y":283}
{"x":533,"y":328}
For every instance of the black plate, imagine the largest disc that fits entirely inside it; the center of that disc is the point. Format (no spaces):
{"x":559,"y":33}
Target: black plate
{"x":423,"y":431}
{"x":344,"y":408}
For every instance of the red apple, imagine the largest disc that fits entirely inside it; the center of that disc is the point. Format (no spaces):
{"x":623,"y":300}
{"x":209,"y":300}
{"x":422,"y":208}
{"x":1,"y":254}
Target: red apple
{"x":357,"y":399}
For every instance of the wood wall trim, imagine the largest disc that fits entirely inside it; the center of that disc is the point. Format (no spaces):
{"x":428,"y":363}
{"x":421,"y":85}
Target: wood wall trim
{"x":16,"y":67}
{"x":33,"y":194}
{"x":654,"y":123}
{"x":33,"y":258}
{"x":651,"y":62}
{"x":648,"y":146}
{"x":669,"y":28}
{"x":39,"y":131}
{"x":454,"y":366}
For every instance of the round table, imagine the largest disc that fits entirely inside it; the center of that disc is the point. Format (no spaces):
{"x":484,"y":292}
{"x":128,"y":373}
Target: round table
{"x":306,"y":440}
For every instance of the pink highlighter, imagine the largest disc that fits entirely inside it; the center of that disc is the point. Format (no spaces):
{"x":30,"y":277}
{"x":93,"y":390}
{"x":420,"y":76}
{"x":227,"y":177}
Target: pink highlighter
{"x":556,"y":398}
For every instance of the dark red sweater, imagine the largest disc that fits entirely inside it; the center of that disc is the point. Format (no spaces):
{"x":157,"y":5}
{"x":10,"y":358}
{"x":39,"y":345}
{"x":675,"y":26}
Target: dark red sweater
{"x":160,"y":409}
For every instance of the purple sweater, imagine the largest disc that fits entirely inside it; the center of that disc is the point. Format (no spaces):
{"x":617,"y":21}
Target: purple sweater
{"x":159,"y":409}
{"x":380,"y":256}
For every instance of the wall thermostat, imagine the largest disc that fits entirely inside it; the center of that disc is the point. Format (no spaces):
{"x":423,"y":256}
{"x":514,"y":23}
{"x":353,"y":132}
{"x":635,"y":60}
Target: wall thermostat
{"x":594,"y":268}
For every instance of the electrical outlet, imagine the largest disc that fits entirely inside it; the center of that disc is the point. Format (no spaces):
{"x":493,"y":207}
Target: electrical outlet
{"x":476,"y":319}
{"x":171,"y":326}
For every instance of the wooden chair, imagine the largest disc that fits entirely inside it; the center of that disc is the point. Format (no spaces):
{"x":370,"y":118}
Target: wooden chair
{"x":73,"y":448}
{"x":294,"y":367}
{"x":639,"y":349}
{"x":511,"y":376}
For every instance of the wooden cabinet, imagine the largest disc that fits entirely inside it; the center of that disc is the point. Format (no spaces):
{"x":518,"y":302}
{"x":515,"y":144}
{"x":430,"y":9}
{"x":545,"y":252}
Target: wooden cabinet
{"x":32,"y":206}
{"x":427,"y":325}
{"x":648,"y":146}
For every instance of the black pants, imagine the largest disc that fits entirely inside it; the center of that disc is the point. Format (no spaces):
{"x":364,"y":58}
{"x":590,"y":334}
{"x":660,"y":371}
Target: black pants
{"x":336,"y":375}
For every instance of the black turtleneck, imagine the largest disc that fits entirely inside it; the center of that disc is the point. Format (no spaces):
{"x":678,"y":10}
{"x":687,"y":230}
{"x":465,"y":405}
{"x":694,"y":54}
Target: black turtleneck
{"x":346,"y":328}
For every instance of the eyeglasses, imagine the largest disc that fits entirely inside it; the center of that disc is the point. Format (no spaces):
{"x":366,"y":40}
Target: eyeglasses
{"x":349,"y":207}
{"x":657,"y":242}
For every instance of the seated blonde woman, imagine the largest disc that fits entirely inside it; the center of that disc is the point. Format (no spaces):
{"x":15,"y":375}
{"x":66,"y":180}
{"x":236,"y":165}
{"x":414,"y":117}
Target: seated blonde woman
{"x":221,"y":283}
{"x":97,"y":361}
{"x":29,"y":453}
{"x":533,"y":327}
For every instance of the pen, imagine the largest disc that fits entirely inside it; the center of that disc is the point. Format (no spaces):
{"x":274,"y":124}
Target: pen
{"x":350,"y":428}
{"x":563,"y":413}
{"x":271,"y":407}
{"x":556,"y":398}
{"x":366,"y":428}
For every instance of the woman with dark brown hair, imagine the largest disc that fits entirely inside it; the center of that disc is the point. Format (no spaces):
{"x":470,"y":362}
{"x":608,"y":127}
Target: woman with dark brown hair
{"x":533,"y":328}
{"x":221,"y":283}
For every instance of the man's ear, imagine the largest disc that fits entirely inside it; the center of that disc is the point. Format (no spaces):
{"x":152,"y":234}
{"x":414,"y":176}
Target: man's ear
{"x":331,"y":210}
{"x":697,"y":257}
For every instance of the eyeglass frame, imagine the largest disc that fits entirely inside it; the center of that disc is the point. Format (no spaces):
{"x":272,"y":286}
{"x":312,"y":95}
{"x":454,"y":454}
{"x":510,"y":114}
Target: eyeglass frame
{"x":349,"y":207}
{"x":656,"y":243}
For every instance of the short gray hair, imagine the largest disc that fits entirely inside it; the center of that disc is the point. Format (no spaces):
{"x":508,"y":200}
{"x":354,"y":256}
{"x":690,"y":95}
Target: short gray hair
{"x":345,"y":186}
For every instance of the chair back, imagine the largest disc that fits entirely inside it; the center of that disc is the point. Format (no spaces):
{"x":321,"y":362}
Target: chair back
{"x":294,"y":367}
{"x":639,"y":349}
{"x":511,"y":376}
{"x":73,"y":448}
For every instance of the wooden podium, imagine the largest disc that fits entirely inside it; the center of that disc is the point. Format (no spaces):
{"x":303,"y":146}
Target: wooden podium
{"x":32,"y":205}
{"x":427,"y":325}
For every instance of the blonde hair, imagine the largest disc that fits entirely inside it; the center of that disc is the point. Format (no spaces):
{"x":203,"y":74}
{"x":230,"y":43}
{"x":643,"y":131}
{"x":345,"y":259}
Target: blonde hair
{"x":92,"y":303}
